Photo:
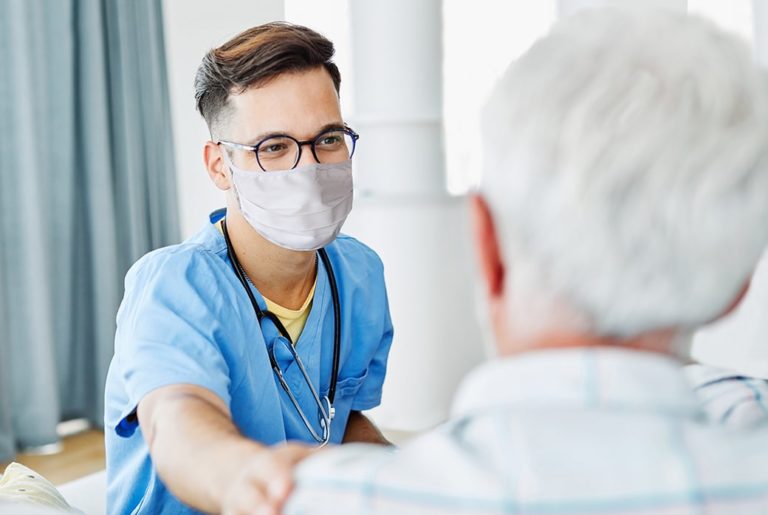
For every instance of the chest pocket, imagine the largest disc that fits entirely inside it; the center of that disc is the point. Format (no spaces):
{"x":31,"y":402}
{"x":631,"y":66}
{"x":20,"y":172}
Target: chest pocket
{"x":346,"y":390}
{"x":349,"y":386}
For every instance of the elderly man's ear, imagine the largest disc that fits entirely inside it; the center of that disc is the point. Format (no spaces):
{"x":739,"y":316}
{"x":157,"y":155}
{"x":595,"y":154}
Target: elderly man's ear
{"x":487,"y":248}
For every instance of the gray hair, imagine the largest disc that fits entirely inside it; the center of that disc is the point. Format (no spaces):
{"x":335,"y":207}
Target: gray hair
{"x":625,"y":163}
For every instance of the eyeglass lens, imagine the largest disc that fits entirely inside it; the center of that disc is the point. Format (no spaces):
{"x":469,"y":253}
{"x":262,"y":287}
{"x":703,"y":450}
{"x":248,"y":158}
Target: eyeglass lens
{"x":282,"y":152}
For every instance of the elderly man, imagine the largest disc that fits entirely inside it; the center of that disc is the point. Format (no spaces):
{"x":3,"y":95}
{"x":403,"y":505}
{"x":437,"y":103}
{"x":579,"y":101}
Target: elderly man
{"x":624,"y":203}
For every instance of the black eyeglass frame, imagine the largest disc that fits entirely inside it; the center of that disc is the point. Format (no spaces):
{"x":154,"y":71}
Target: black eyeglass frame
{"x":311,"y":142}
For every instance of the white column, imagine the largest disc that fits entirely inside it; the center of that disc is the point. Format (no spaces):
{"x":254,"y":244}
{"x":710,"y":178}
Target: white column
{"x":397,"y":61}
{"x":760,"y":28}
{"x":403,"y":211}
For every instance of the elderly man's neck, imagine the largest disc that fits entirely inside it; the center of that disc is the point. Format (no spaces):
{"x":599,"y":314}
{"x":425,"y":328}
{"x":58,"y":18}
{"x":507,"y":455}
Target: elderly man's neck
{"x":659,"y":341}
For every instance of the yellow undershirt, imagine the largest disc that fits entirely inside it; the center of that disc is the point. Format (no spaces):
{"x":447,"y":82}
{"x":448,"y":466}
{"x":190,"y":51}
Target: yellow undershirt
{"x":293,"y":319}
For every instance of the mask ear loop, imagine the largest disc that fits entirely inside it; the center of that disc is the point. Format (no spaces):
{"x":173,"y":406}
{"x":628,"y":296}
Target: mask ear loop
{"x":232,"y":168}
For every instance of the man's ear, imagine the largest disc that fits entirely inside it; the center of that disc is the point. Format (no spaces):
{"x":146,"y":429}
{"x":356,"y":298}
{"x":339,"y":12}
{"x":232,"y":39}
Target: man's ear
{"x":487,"y":247}
{"x":217,"y":168}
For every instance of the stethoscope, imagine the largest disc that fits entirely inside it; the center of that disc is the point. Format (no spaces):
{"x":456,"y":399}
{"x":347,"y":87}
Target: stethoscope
{"x":325,"y":407}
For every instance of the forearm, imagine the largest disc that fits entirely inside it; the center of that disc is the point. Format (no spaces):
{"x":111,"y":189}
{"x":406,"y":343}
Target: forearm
{"x":189,"y":435}
{"x":360,"y":429}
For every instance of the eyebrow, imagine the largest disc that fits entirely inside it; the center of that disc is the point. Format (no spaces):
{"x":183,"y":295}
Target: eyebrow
{"x":265,"y":135}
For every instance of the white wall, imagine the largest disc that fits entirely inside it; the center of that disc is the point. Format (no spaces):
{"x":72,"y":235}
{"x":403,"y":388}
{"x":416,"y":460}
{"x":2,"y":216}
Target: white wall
{"x":500,"y":32}
{"x":192,"y":27}
{"x":738,"y":341}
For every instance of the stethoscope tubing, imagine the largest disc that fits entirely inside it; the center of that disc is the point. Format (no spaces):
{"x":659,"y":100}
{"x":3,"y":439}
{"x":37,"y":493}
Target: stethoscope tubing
{"x":260,"y":314}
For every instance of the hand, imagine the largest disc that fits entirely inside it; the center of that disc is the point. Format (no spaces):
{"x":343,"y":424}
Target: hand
{"x":264,"y":483}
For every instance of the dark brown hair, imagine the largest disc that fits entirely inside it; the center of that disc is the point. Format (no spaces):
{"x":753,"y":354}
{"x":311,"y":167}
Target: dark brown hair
{"x":255,"y":56}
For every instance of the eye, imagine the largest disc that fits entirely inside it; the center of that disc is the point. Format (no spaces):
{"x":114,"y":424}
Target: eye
{"x":330,"y":140}
{"x":276,"y":147}
{"x":272,"y":148}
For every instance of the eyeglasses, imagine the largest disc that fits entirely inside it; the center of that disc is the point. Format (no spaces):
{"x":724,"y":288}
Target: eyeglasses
{"x":283,"y":152}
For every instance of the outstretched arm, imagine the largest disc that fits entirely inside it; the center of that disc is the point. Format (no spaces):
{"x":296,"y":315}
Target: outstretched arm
{"x":188,"y":428}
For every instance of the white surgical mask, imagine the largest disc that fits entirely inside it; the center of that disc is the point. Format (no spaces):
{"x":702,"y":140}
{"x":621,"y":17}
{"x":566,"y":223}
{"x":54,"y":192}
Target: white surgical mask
{"x":299,"y":209}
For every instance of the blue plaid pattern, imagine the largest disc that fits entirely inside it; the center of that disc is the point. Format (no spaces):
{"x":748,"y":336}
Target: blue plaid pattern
{"x":729,"y":397}
{"x":576,"y":431}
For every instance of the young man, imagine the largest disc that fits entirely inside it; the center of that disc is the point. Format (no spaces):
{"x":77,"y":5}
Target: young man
{"x":624,"y":203}
{"x":265,"y":327}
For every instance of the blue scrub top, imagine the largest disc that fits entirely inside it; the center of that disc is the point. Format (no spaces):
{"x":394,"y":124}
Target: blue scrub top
{"x":185,"y":319}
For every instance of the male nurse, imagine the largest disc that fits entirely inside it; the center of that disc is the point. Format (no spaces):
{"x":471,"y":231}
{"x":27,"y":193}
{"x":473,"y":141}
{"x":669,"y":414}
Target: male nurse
{"x":264,"y":336}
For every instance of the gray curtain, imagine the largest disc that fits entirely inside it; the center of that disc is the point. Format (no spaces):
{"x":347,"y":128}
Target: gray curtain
{"x":87,"y":186}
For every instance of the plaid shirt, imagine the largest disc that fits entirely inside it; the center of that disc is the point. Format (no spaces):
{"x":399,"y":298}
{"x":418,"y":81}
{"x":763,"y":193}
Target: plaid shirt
{"x":572,"y":431}
{"x":729,"y":397}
